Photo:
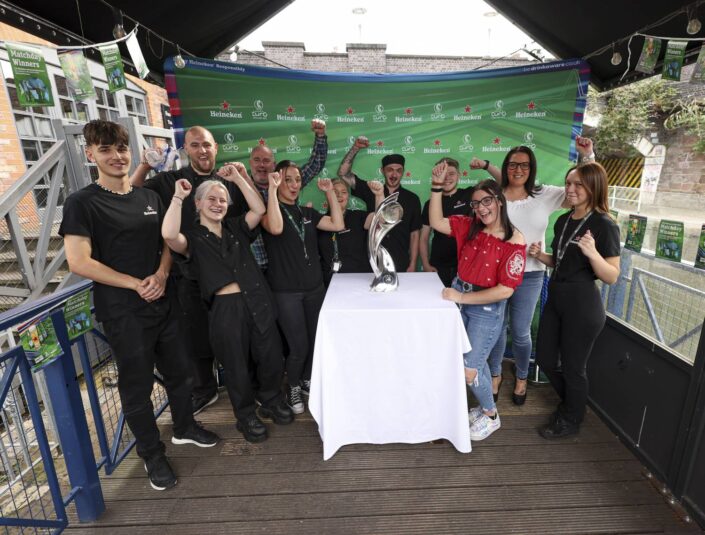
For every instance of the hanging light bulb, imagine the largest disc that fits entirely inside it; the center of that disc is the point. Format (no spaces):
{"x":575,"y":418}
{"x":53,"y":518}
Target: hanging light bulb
{"x":694,"y":26}
{"x":178,"y":59}
{"x":118,"y":29}
{"x":616,"y":58}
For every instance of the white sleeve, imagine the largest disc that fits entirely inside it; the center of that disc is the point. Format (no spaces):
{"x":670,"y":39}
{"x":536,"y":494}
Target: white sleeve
{"x":552,"y":196}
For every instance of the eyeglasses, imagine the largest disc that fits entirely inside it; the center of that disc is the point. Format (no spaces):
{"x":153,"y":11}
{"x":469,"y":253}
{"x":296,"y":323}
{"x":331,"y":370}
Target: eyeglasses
{"x":524,"y":165}
{"x":485,"y":201}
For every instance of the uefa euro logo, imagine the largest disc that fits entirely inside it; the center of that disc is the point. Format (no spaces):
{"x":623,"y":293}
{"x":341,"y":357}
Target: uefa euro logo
{"x":321,"y":112}
{"x":379,"y":116}
{"x":259,"y":112}
{"x":438,"y":114}
{"x":408,"y":147}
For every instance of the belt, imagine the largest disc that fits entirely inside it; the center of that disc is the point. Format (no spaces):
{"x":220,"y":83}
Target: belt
{"x":467,"y":287}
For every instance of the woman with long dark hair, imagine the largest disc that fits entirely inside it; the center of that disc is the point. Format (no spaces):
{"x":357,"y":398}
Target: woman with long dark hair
{"x":294,"y":273}
{"x":529,"y":206}
{"x":491,"y":256}
{"x":586,"y":247}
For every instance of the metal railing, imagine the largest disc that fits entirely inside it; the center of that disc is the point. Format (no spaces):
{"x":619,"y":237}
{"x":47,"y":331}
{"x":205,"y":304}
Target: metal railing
{"x":32,"y":258}
{"x":40,"y":473}
{"x":621,"y":197}
{"x":667,"y":310}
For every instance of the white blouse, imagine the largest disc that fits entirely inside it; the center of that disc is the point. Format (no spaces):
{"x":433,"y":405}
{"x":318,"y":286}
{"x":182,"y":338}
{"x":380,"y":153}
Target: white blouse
{"x":531,"y":215}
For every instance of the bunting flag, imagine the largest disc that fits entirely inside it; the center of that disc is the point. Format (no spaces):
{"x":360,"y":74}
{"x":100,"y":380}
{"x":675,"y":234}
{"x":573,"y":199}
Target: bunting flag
{"x":673,"y":60}
{"x":114,"y":72}
{"x":699,"y":70}
{"x":649,"y":55}
{"x":78,"y":76}
{"x":30,"y":74}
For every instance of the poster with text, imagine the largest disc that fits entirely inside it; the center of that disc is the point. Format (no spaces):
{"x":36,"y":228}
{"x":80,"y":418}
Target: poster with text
{"x":673,"y":60}
{"x":38,"y":339}
{"x":636,"y":230}
{"x":77,"y":314}
{"x":114,"y":71}
{"x":669,"y":240}
{"x":30,"y":74}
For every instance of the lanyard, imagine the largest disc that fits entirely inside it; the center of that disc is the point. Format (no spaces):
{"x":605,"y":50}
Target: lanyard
{"x":300,"y":229}
{"x":334,"y":239}
{"x":563,"y":248}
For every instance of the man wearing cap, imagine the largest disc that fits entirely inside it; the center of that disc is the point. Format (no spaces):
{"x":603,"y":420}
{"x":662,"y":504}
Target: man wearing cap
{"x":402,"y":242}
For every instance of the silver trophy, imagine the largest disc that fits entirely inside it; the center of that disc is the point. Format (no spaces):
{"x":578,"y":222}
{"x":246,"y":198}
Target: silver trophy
{"x":387,"y":216}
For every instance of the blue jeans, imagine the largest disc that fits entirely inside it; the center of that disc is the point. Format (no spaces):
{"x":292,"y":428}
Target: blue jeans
{"x":483,"y":324}
{"x":520,"y":312}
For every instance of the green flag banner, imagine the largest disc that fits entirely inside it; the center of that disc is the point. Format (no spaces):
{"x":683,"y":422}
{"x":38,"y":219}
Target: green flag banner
{"x":669,"y":240}
{"x":78,"y":76}
{"x":112,"y":61}
{"x":423,"y":117}
{"x":30,"y":73}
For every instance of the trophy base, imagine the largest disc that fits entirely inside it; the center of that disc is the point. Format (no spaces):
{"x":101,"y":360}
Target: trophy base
{"x":386,"y":282}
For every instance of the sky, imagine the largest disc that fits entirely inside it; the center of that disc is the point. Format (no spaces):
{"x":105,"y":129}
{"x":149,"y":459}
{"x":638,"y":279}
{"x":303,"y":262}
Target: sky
{"x":441,"y":27}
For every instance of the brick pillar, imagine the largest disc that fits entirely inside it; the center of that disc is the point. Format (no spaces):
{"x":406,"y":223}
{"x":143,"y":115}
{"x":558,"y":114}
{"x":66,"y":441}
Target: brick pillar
{"x":366,"y":57}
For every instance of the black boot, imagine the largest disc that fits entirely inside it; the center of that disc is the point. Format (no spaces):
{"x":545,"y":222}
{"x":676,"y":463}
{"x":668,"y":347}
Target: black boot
{"x":559,"y":428}
{"x":252,"y":428}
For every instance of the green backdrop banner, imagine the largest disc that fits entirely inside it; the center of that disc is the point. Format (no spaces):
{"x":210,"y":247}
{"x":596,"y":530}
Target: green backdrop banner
{"x":424,"y":117}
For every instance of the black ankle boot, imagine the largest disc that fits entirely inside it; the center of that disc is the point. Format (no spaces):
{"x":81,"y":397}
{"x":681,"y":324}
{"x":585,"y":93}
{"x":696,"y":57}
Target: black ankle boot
{"x":559,"y":428}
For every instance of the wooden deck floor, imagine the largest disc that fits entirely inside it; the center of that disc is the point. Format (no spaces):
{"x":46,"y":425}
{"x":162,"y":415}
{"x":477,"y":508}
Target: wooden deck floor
{"x":513,"y":482}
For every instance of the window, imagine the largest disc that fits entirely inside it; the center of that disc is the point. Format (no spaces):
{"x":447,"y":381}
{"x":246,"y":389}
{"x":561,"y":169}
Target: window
{"x":71,"y":109}
{"x":106,"y":104}
{"x":136,"y":108}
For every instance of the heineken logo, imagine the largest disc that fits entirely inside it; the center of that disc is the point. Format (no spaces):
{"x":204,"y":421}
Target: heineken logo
{"x":290,"y":115}
{"x":495,"y":146}
{"x":436,"y":149}
{"x":349,"y":117}
{"x":290,"y":109}
{"x":408,"y":117}
{"x":467,"y":115}
{"x":224,"y":112}
{"x":533,"y":112}
{"x":224,"y":105}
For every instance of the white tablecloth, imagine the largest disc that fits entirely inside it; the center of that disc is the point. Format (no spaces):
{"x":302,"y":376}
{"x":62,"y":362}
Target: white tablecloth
{"x":388,"y":367}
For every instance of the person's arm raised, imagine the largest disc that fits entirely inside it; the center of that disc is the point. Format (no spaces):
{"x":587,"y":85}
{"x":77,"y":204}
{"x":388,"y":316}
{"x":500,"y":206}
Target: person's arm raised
{"x":345,"y":169}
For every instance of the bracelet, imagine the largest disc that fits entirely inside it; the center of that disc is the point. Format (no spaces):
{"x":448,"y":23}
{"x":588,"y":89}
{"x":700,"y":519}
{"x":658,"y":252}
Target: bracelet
{"x":436,"y":190}
{"x":588,"y":158}
{"x":177,"y":197}
{"x":487,"y":164}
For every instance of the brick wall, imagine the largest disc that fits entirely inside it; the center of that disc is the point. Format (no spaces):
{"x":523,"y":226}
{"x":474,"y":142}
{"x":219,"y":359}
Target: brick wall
{"x":155,"y":96}
{"x":363,"y":57}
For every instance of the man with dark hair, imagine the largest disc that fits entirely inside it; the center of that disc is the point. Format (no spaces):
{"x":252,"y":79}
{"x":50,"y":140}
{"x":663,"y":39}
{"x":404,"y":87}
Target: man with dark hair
{"x":112,"y":235}
{"x":444,"y":255}
{"x":402,"y":242}
{"x":262,"y":163}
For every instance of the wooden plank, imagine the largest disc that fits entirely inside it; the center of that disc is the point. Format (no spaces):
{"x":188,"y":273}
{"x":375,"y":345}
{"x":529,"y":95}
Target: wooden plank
{"x":584,"y":520}
{"x":121,"y":489}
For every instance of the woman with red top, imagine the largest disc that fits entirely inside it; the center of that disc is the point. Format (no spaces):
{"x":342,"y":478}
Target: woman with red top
{"x":491,"y":258}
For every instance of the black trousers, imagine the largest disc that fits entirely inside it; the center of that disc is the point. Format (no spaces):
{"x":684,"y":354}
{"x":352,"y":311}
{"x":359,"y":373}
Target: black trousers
{"x":139,"y":342}
{"x":447,"y":274}
{"x":298,"y":319}
{"x":235,"y":340}
{"x":195,"y":326}
{"x":572,"y":319}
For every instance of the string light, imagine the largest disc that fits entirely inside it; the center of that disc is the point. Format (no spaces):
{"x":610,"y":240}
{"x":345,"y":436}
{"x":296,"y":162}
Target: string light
{"x":118,"y":29}
{"x":616,"y":57}
{"x":178,"y":59}
{"x":693,"y":27}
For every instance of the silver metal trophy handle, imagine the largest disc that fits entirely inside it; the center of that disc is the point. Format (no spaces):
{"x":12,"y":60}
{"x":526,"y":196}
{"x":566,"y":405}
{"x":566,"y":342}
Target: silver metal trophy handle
{"x":388,"y":215}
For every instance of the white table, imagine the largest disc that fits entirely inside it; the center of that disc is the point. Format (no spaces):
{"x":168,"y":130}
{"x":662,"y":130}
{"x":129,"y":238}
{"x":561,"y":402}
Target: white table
{"x":388,"y":367}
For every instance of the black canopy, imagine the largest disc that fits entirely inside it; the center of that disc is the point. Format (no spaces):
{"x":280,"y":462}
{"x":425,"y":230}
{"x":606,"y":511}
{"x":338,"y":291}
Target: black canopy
{"x":568,"y":29}
{"x":575,"y":29}
{"x":203,"y":28}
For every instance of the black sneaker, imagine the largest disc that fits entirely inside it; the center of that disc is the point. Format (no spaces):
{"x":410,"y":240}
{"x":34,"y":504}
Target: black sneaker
{"x":279,"y":412}
{"x":294,"y":400}
{"x":559,"y":428}
{"x":305,"y":386}
{"x":201,"y":403}
{"x":197,"y":436}
{"x":161,"y":476}
{"x":252,"y":429}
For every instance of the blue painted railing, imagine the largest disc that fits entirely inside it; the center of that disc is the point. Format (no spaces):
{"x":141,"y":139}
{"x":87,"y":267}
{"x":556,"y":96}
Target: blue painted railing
{"x":76,"y":436}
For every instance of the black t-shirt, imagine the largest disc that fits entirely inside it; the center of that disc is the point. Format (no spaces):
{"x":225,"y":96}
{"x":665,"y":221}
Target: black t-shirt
{"x":294,"y":266}
{"x":164,"y":184}
{"x":351,"y":244}
{"x":444,"y":252}
{"x":218,"y":261}
{"x":575,"y":266}
{"x":125,"y":233}
{"x":398,"y":239}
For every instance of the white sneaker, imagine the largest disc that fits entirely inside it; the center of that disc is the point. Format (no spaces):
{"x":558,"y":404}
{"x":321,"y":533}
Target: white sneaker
{"x":474,"y":414}
{"x":483,"y":427}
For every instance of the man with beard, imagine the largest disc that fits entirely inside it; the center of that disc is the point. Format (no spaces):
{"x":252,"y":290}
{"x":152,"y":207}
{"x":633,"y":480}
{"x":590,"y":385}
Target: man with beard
{"x":402,"y":242}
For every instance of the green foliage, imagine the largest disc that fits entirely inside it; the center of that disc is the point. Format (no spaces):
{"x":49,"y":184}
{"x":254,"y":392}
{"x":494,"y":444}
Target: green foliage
{"x":629,"y":112}
{"x":689,"y":115}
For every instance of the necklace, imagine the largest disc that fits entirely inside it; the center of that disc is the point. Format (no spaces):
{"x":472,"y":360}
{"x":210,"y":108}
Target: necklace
{"x":114,"y":192}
